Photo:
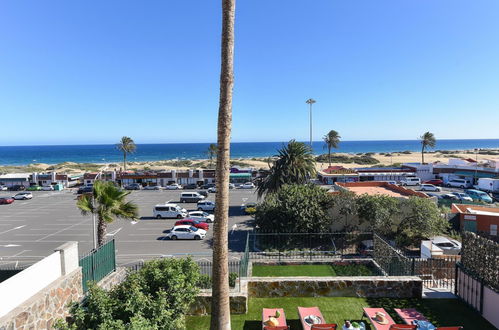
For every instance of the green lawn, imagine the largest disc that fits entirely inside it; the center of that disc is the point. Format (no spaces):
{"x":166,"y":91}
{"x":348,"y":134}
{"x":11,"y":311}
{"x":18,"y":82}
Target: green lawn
{"x":441,"y":312}
{"x":311,"y":270}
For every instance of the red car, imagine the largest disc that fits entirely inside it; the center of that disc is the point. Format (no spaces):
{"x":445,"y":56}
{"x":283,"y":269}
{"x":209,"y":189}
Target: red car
{"x":192,"y":222}
{"x":435,"y":182}
{"x":6,"y":200}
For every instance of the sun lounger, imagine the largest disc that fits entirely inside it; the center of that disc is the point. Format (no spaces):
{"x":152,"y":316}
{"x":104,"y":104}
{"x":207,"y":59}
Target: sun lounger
{"x":370,"y":314}
{"x":408,"y":315}
{"x":403,"y":327}
{"x":326,"y":326}
{"x":304,"y":312}
{"x":268,"y":312}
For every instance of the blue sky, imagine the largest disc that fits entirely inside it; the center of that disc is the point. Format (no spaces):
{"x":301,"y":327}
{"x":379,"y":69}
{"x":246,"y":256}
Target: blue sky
{"x":91,"y":71}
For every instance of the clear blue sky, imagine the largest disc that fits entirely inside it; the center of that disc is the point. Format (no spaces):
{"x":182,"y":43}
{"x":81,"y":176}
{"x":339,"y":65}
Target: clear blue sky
{"x":91,"y":71}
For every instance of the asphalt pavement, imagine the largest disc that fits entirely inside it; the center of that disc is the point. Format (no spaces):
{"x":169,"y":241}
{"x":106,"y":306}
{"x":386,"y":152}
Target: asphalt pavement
{"x":32,"y":229}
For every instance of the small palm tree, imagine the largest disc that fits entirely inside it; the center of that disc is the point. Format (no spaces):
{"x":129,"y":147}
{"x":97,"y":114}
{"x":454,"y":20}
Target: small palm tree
{"x":127,"y":146}
{"x":107,"y":202}
{"x":295,"y":164}
{"x":212,"y":152}
{"x":332,"y":140}
{"x":427,"y":141}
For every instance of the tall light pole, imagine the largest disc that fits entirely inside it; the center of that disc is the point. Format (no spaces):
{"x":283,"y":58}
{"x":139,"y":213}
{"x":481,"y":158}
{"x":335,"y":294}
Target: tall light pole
{"x":310,"y":102}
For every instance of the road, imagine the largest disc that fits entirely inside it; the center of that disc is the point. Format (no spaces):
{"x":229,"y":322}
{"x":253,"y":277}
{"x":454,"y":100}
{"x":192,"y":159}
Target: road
{"x":32,"y":229}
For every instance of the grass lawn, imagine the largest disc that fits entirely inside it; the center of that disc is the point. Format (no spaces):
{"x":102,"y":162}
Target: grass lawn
{"x":311,"y":270}
{"x":441,"y":312}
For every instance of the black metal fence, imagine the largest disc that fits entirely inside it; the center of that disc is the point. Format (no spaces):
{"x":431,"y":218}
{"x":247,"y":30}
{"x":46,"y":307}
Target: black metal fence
{"x":9,"y":271}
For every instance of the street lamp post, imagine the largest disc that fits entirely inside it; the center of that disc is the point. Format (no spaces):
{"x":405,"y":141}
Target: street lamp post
{"x":310,"y":102}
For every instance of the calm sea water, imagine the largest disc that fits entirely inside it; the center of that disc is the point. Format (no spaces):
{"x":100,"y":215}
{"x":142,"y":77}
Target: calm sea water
{"x":22,"y":155}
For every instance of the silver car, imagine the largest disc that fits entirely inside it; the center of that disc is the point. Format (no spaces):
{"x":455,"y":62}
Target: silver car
{"x":23,"y":195}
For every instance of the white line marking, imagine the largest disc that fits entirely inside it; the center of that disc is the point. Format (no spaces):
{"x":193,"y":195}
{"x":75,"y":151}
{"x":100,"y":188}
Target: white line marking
{"x":15,"y":228}
{"x":60,"y":231}
{"x":114,"y":232}
{"x":10,"y":245}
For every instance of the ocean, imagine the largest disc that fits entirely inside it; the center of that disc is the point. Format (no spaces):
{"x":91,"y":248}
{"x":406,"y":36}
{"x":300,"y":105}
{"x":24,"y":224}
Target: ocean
{"x":54,"y":154}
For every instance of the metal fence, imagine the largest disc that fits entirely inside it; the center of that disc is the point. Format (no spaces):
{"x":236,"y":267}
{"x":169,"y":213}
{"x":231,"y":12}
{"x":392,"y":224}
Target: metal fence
{"x":98,"y":263}
{"x":9,"y":271}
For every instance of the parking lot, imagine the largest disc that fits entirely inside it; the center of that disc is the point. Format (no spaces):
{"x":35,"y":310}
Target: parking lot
{"x":32,"y":229}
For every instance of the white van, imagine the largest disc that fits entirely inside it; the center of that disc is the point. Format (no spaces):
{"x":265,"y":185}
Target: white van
{"x":459,"y":183}
{"x":410,"y":181}
{"x":168,"y":211}
{"x":191,"y":197}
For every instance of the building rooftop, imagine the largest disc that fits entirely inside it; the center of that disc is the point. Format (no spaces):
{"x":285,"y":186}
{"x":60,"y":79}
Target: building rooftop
{"x":476,"y":209}
{"x":380,"y":188}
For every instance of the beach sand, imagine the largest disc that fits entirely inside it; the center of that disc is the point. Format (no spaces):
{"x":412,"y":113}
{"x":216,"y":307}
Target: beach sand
{"x":394,"y":159}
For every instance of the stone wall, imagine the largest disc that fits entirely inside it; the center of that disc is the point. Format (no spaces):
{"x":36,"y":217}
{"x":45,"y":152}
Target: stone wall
{"x":365,"y":286}
{"x":238,"y":302}
{"x":114,"y":278}
{"x":44,"y":308}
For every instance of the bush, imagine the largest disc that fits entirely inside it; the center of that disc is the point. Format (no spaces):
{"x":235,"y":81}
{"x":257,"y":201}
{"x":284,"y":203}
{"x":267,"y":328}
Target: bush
{"x":206,"y":283}
{"x":250,"y":210}
{"x":155,"y":297}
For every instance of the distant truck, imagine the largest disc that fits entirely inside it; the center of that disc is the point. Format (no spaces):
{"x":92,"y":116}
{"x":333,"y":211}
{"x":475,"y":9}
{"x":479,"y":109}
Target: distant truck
{"x":488,"y":185}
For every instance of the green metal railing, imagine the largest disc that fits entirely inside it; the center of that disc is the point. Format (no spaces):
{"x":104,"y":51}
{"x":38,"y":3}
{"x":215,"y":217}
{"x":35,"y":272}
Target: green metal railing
{"x":98,"y":263}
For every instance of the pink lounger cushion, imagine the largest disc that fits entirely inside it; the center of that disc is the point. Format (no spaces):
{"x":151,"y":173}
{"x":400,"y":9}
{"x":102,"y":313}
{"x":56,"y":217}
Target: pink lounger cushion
{"x":409,"y":315}
{"x":371,"y":313}
{"x":306,"y":311}
{"x":268,"y":312}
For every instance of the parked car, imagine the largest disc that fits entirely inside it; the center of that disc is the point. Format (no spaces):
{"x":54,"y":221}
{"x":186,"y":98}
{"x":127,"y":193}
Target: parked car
{"x":248,"y":207}
{"x":429,"y":187}
{"x":173,"y":186}
{"x":410,"y":181}
{"x":450,"y":246}
{"x":48,"y":188}
{"x":85,"y":190}
{"x":168,"y":210}
{"x":450,"y":197}
{"x":207,"y":185}
{"x":3,"y":188}
{"x":6,"y":200}
{"x":232,"y":186}
{"x":17,"y":187}
{"x":435,"y":182}
{"x":193,"y":222}
{"x":459,"y":183}
{"x":191,"y":186}
{"x":154,"y":187}
{"x":462,"y":196}
{"x":212,"y":190}
{"x":435,"y":195}
{"x":191,"y":197}
{"x":186,"y":232}
{"x":34,"y":188}
{"x":23,"y":195}
{"x":206,"y":206}
{"x":133,"y":186}
{"x":479,"y":196}
{"x":203,"y":193}
{"x":202,"y":216}
{"x":248,"y":185}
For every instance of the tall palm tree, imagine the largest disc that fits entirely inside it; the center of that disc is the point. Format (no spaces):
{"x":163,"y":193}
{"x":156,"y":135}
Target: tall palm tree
{"x":220,"y":308}
{"x":427,"y":141}
{"x":127,"y":146}
{"x":332,"y":140}
{"x":107,"y":202}
{"x":295,"y":164}
{"x":212,"y":152}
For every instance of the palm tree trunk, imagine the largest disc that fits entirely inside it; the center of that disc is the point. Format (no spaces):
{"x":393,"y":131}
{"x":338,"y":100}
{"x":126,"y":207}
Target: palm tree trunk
{"x":329,"y":154}
{"x":422,"y":154}
{"x":220,"y":315}
{"x":101,"y":232}
{"x":124,"y":161}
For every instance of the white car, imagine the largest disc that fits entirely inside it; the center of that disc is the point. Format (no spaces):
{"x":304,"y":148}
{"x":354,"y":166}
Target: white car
{"x":248,"y":185}
{"x":410,"y":181}
{"x":168,"y":210}
{"x":430,"y":187}
{"x":202,"y":216}
{"x":212,"y":190}
{"x":186,"y":232}
{"x":156,"y":187}
{"x":206,"y":206}
{"x":449,"y":246}
{"x":463,"y":196}
{"x":48,"y":188}
{"x":232,"y":186}
{"x":173,"y":186}
{"x":3,"y":188}
{"x":23,"y":195}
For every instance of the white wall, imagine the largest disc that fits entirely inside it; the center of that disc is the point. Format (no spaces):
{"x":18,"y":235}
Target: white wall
{"x":25,"y":284}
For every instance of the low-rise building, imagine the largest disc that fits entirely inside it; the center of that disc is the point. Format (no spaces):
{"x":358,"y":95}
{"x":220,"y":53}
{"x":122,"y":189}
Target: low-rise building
{"x":13,"y":179}
{"x":53,"y":178}
{"x":379,"y":188}
{"x":477,"y":218}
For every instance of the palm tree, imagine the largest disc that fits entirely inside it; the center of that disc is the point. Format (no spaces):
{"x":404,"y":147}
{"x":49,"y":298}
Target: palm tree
{"x":107,"y":202}
{"x":295,"y":164}
{"x":427,"y":141}
{"x":220,"y":307}
{"x":212,"y":152}
{"x":332,"y":140}
{"x":127,"y":146}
